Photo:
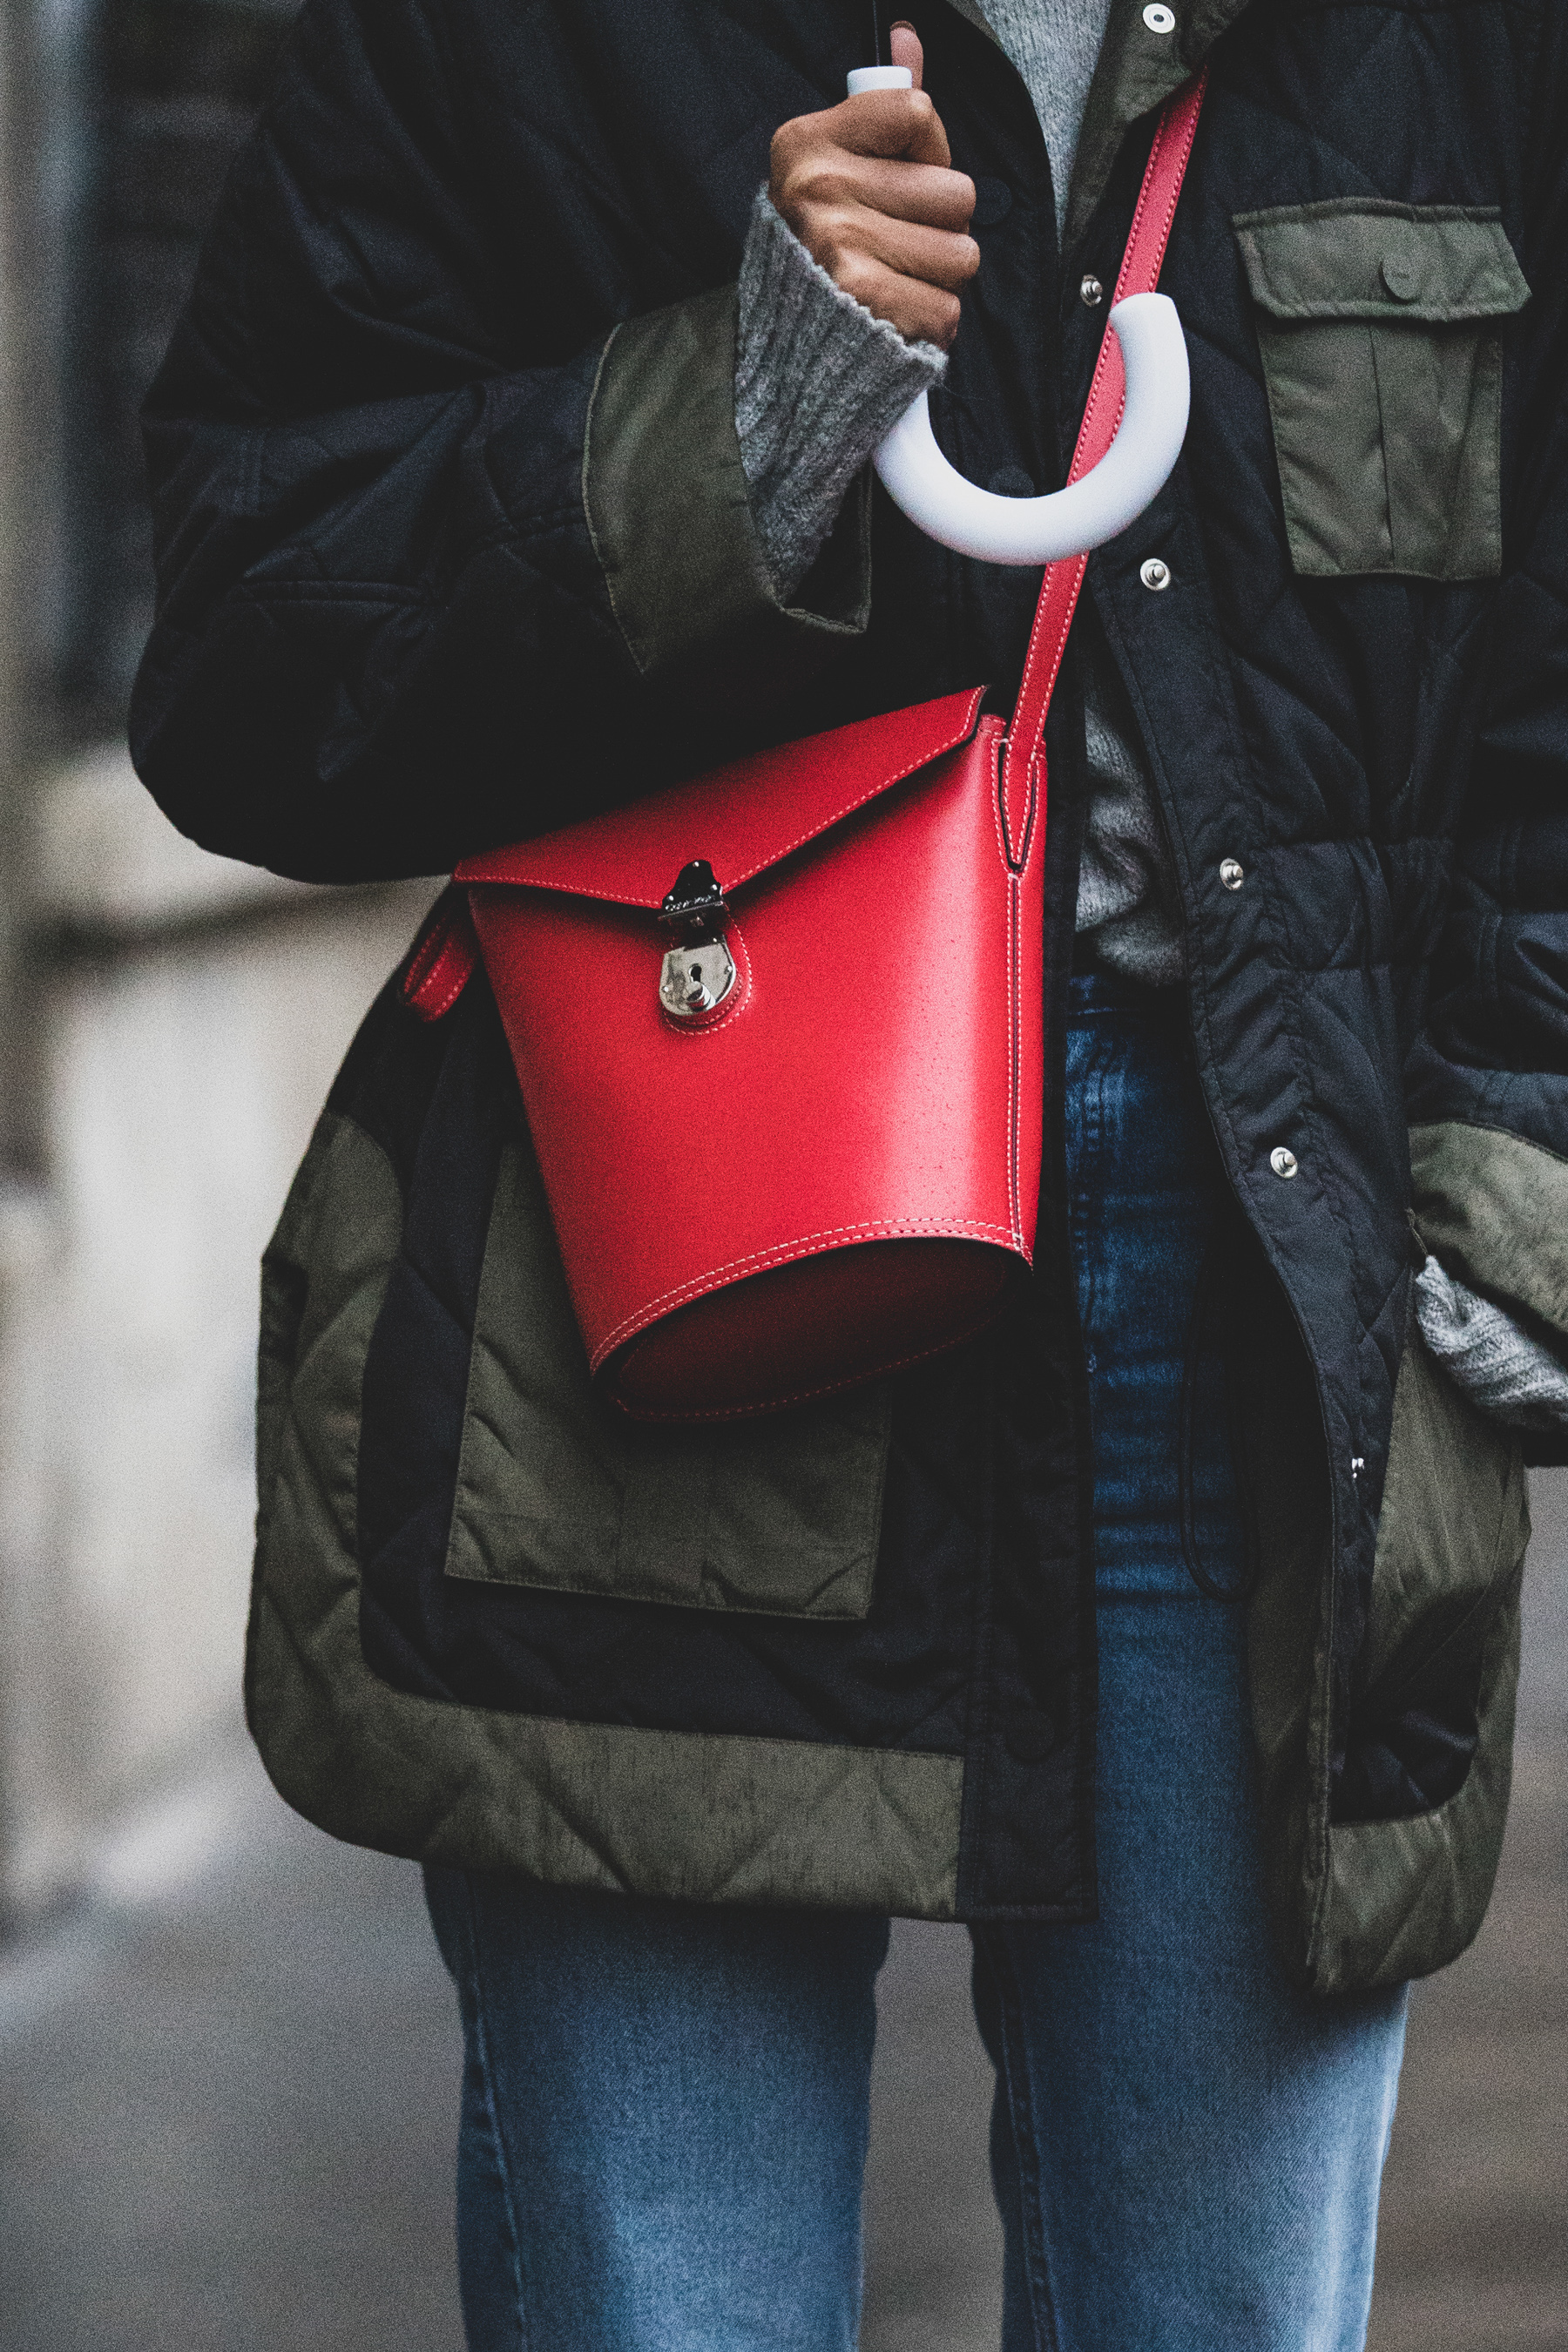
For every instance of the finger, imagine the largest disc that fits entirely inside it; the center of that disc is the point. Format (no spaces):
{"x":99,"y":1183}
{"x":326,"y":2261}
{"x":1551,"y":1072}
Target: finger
{"x":922,"y":313}
{"x":904,"y":48}
{"x":833,"y":180}
{"x":886,"y":123}
{"x":843,"y":242}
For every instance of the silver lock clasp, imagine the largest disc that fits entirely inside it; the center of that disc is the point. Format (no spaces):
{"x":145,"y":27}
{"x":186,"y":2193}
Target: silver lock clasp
{"x":696,"y":980}
{"x":698,"y":970}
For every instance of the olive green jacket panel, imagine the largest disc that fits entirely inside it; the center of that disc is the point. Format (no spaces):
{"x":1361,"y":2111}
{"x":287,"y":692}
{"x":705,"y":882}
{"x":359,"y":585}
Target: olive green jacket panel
{"x":322,"y":1277}
{"x":1453,"y":1531}
{"x":665,"y":494}
{"x":1405,"y":1897}
{"x":710,"y":1818}
{"x":692,"y":1815}
{"x":557,"y":1490}
{"x":1494,"y":1209}
{"x":1360,"y":1904}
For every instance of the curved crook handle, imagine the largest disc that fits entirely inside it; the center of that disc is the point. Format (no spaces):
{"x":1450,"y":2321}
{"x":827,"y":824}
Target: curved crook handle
{"x":1133,"y":471}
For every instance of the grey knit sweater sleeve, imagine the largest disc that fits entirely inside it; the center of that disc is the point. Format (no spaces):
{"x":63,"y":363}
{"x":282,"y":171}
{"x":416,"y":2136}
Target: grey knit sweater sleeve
{"x":818,"y":382}
{"x":1508,"y":1374}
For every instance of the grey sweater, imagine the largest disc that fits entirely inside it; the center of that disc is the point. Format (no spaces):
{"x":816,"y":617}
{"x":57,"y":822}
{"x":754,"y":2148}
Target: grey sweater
{"x":818,"y":382}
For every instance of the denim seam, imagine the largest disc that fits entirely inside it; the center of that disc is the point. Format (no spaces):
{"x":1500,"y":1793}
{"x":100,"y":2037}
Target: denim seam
{"x":492,"y":2116}
{"x":1018,"y":2088}
{"x":1087,"y":1159}
{"x":1086,"y":1188}
{"x":978,"y":1711}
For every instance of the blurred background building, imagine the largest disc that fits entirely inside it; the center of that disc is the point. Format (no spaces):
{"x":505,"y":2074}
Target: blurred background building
{"x":228,"y":2055}
{"x":169,"y":1022}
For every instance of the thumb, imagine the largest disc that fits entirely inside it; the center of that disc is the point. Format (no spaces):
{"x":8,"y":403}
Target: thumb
{"x":904,"y":48}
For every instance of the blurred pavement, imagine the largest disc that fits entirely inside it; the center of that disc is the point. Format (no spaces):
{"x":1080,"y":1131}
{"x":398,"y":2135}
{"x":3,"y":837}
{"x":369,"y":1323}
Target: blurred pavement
{"x":230,"y":2082}
{"x":229,"y":2098}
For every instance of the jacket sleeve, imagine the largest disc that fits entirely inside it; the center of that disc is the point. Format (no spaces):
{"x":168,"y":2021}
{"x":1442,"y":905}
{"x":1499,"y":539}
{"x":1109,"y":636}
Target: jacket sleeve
{"x":451,"y":549}
{"x":1488,"y":1078}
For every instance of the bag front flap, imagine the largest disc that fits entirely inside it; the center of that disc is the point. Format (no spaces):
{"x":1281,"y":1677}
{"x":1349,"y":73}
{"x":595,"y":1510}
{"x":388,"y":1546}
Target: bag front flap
{"x":741,"y":818}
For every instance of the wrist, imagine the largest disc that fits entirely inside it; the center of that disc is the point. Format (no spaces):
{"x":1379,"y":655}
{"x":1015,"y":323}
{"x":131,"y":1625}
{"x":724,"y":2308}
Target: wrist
{"x":819,"y":380}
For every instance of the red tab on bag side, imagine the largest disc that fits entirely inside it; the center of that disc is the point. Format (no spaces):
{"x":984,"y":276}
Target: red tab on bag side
{"x":443,"y":960}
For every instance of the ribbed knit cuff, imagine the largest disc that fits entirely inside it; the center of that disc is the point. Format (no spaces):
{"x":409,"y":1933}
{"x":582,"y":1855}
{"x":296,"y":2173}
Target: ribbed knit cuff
{"x":818,"y":382}
{"x":1500,"y":1367}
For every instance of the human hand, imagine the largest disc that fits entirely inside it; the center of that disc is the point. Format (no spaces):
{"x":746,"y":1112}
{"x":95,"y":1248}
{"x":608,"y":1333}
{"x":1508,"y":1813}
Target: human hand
{"x":868,"y":186}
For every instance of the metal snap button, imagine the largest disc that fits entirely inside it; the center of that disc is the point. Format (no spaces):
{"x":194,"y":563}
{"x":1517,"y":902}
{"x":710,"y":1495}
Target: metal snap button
{"x":1154,"y":574}
{"x":1090,"y":291}
{"x":1283,"y":1162}
{"x":1011,"y":482}
{"x":1159,"y":18}
{"x":1401,"y":275}
{"x":1232,"y":873}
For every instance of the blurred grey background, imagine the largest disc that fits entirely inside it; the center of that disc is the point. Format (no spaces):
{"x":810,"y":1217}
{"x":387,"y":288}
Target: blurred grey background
{"x":228,"y":2055}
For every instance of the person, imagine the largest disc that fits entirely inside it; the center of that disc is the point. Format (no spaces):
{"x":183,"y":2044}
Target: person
{"x":510,"y":463}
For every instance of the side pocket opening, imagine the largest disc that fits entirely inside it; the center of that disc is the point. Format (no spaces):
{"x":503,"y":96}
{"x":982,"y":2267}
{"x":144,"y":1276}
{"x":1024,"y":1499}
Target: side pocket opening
{"x":1454,"y":1527}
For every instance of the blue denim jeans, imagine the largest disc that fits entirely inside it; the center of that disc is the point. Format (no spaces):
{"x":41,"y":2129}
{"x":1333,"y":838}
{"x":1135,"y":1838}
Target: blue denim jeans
{"x":665,"y":2108}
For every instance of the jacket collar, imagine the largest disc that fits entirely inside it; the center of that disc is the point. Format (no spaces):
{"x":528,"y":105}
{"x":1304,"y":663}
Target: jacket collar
{"x":1138,"y":70}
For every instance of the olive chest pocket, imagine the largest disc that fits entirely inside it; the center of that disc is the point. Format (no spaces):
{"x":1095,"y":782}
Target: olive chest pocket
{"x":1378,"y":325}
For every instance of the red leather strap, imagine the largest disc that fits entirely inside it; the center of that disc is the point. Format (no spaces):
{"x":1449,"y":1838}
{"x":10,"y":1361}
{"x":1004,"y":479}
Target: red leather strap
{"x":1023,"y":758}
{"x":443,"y":962}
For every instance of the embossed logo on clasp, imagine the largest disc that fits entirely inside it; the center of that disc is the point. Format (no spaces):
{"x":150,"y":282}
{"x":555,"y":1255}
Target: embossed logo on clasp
{"x":698,"y":970}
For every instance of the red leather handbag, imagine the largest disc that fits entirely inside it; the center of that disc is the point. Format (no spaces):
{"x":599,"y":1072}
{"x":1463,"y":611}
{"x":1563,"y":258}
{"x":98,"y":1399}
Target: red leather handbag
{"x":795,"y":1141}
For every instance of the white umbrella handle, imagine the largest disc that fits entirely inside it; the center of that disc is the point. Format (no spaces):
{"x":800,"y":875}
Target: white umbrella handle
{"x":1133,"y":471}
{"x":958,"y":514}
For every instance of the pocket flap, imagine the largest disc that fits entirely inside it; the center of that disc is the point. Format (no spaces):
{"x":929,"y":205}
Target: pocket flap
{"x":1365,"y":257}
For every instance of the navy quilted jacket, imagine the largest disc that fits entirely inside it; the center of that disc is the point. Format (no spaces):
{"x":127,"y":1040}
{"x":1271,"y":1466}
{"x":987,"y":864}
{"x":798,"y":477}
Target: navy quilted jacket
{"x":403,"y":620}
